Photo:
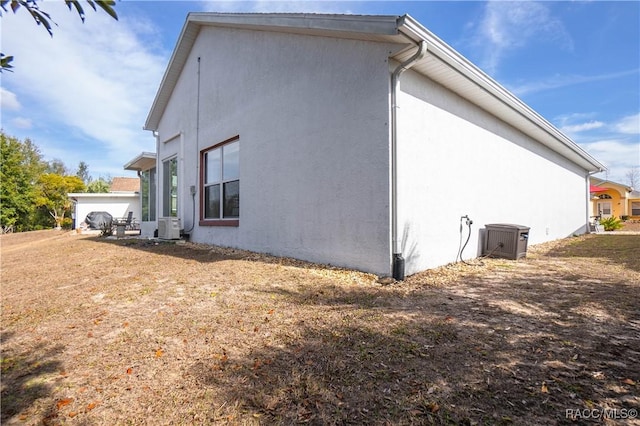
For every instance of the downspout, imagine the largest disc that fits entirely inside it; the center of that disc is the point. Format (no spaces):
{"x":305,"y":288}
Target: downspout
{"x":193,"y":188}
{"x":398,"y":260}
{"x":181,"y":179}
{"x":158,"y":190}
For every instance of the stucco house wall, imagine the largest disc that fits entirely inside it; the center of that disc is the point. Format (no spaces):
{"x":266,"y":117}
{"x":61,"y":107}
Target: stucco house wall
{"x":456,"y":159}
{"x":313,"y":133}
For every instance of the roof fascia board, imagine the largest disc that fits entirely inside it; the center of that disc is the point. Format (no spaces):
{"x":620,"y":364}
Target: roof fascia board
{"x":366,"y":24}
{"x":120,"y":194}
{"x":455,"y":60}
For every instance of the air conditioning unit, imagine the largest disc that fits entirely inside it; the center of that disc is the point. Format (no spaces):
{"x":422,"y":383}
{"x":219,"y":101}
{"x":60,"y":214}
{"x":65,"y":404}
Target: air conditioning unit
{"x":169,"y":228}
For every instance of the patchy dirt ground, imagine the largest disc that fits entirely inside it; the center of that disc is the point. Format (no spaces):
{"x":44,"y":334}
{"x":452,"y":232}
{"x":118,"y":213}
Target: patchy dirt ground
{"x":103,"y":332}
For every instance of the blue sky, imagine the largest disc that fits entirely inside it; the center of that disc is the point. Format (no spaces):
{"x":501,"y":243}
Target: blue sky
{"x":84,"y":94}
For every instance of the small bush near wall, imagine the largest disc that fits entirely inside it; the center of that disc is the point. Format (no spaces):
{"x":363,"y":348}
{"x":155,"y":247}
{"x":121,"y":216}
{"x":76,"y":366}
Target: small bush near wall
{"x":611,"y":223}
{"x":624,"y":218}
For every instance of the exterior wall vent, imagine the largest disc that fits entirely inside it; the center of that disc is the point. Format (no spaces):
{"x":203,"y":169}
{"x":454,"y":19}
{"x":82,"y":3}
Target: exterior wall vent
{"x":169,"y":228}
{"x":505,"y":240}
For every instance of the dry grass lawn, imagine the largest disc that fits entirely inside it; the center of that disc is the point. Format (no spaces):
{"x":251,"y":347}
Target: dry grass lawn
{"x":104,"y":332}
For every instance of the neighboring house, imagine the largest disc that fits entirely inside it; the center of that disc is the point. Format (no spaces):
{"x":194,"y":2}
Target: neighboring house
{"x":145,"y":165}
{"x":357,"y":141}
{"x":614,"y":199}
{"x":123,"y":197}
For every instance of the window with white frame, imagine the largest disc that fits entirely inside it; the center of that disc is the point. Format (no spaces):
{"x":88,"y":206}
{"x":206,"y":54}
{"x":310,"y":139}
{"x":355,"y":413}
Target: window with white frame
{"x":635,"y":208}
{"x":148,"y":190}
{"x":170,"y":187}
{"x":221,"y":183}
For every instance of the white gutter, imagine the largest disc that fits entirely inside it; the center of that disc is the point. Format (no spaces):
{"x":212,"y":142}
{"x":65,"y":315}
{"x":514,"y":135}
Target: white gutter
{"x":398,"y":260}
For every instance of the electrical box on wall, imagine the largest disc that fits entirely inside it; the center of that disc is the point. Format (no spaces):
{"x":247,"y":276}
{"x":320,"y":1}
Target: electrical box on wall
{"x":505,"y":240}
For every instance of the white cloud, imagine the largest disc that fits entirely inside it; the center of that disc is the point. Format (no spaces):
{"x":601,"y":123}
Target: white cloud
{"x":9,"y":100}
{"x":22,"y":123}
{"x":98,"y":78}
{"x":629,"y":125}
{"x":618,"y":155}
{"x":615,"y":144}
{"x":276,"y":6}
{"x":512,"y":25}
{"x":559,"y":81}
{"x":575,"y":128}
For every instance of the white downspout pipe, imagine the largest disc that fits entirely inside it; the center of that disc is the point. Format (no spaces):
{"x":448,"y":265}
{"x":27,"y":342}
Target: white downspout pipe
{"x":398,"y":260}
{"x":158,"y":190}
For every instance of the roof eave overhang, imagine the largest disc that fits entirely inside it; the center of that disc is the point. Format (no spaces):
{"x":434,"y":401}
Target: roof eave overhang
{"x":144,"y":161}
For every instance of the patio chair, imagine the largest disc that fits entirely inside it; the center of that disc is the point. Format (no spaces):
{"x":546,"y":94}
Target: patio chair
{"x":126,"y":223}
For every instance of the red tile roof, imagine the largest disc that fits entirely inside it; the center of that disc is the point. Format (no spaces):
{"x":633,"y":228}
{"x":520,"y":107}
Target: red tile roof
{"x":125,"y":184}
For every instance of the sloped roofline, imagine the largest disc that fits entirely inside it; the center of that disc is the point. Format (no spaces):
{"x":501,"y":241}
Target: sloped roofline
{"x":122,"y":194}
{"x":458,"y":73}
{"x":601,"y":181}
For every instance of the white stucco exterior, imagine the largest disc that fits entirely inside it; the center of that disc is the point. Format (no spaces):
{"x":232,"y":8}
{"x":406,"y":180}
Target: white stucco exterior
{"x":308,"y":99}
{"x":456,"y":159}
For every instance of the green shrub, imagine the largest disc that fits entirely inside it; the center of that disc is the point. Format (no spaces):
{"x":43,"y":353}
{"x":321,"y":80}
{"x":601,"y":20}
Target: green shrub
{"x":67,"y":223}
{"x":611,"y":223}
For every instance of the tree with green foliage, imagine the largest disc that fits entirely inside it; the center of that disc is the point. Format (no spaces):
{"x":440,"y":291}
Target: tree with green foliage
{"x":53,"y":194}
{"x":22,"y":166}
{"x":58,"y":167}
{"x":43,"y":18}
{"x":33,"y":193}
{"x":99,"y":185}
{"x":83,"y":172}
